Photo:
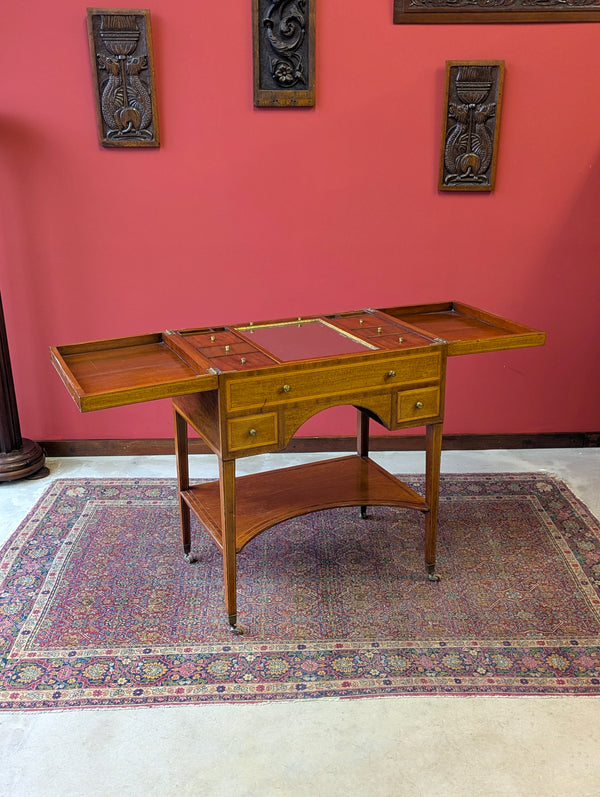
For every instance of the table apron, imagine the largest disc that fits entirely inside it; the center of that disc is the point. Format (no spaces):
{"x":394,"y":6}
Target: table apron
{"x":249,"y":433}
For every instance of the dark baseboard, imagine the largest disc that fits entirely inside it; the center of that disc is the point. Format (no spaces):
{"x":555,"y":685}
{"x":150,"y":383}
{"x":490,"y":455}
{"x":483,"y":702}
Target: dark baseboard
{"x":460,"y":442}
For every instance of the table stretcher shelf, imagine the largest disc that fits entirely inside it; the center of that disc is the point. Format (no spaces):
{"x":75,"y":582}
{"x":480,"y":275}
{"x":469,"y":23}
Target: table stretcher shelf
{"x":265,"y":499}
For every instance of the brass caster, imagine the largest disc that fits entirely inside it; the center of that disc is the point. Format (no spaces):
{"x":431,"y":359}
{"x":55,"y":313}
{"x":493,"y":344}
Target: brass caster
{"x":233,"y":626}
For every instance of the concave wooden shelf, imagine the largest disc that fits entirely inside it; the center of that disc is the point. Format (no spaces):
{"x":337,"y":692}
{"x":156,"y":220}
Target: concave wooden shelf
{"x":265,"y":499}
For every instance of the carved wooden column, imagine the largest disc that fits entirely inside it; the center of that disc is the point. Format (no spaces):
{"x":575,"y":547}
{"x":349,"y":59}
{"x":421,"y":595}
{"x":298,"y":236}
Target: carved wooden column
{"x":18,"y":458}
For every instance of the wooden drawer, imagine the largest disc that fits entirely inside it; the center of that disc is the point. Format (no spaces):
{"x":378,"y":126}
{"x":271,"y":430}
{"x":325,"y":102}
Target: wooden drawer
{"x":418,"y":404}
{"x":252,"y":431}
{"x":291,"y":385}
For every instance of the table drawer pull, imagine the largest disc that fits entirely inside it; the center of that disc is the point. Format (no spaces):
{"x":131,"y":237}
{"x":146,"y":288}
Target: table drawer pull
{"x":418,"y":405}
{"x":391,"y":374}
{"x":252,"y":432}
{"x":286,"y":388}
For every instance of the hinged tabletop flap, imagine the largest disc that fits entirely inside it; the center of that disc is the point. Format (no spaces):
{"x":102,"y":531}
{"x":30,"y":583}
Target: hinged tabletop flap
{"x":466,"y":329}
{"x":112,"y":373}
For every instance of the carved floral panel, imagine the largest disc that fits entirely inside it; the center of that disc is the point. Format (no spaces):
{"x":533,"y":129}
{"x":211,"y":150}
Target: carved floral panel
{"x":284,"y":52}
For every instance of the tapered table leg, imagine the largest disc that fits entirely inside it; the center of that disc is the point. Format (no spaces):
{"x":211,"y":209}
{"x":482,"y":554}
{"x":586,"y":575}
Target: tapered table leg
{"x":433,"y":455}
{"x":362,"y":443}
{"x":227,"y":491}
{"x":183,"y":480}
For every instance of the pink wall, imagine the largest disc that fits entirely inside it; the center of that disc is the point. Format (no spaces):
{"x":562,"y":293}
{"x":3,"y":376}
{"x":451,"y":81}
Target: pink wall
{"x":248,"y":213}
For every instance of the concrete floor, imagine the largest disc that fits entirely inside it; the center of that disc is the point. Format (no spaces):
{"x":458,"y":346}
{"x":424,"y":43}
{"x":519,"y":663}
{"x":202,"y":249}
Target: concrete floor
{"x":389,"y":746}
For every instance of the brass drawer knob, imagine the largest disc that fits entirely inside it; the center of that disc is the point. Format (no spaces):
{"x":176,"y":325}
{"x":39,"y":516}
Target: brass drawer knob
{"x":252,"y":432}
{"x":286,"y":388}
{"x":419,"y":405}
{"x":391,"y":374}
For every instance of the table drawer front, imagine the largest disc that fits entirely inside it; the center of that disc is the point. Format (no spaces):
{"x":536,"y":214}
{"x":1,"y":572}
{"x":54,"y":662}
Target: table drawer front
{"x":300,"y":385}
{"x":414,"y":405}
{"x":252,"y":431}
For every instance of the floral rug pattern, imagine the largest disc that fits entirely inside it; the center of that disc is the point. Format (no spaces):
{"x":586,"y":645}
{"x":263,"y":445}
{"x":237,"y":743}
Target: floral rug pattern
{"x":99,"y":608}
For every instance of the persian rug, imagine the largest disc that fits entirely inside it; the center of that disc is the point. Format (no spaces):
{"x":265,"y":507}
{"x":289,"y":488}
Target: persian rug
{"x":99,"y":608}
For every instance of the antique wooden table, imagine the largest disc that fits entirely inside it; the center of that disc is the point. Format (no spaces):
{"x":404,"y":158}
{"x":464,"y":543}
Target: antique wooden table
{"x":247,"y":388}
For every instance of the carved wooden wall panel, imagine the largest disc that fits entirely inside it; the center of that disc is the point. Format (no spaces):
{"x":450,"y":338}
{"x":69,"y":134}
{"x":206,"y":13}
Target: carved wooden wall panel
{"x":437,"y":11}
{"x":284,"y":52}
{"x":472,"y":104}
{"x":123,"y":71}
{"x":450,"y":11}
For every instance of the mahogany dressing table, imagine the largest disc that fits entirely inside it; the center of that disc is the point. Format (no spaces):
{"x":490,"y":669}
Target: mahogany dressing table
{"x":247,"y":388}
